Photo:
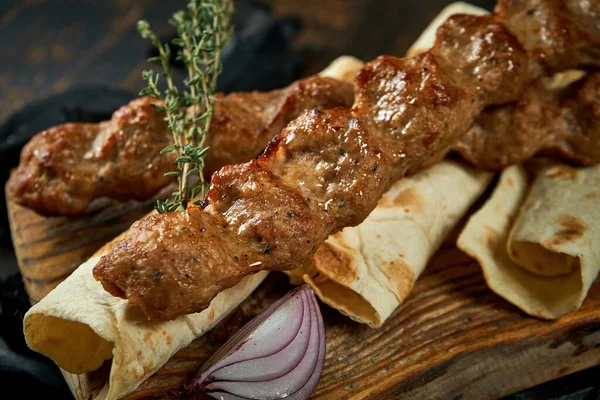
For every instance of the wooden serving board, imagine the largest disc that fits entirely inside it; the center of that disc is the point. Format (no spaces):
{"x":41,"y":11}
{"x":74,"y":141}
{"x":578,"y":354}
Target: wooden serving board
{"x":453,"y":338}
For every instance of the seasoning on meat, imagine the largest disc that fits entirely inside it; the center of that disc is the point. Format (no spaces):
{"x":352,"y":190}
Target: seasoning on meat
{"x":63,"y":169}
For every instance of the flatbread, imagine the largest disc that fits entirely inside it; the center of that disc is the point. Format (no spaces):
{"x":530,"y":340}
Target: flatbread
{"x":366,"y":271}
{"x":546,"y":260}
{"x":79,"y":325}
{"x":343,"y":68}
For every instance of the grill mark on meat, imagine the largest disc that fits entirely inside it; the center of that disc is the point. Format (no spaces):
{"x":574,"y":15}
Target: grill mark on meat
{"x":474,"y":64}
{"x":63,"y":169}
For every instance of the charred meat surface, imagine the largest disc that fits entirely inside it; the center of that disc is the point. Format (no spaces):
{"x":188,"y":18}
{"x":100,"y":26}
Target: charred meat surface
{"x":63,"y":169}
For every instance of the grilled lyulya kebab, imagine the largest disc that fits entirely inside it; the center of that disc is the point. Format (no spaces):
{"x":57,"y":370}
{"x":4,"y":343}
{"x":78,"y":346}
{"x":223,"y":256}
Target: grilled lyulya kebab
{"x":66,"y":167}
{"x":63,"y":169}
{"x":561,"y":123}
{"x":327,"y":169}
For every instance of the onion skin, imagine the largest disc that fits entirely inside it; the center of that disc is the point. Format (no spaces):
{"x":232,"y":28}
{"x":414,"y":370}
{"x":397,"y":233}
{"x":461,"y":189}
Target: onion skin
{"x":278,"y":355}
{"x":271,"y":366}
{"x":311,"y":384}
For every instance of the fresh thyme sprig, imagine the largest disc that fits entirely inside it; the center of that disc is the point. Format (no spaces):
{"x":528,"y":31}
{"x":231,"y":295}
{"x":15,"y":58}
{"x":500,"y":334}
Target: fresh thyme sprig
{"x":202,"y":32}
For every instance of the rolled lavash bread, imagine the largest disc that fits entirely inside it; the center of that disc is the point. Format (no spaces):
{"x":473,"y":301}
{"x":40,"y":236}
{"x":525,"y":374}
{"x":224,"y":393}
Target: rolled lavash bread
{"x":79,"y":325}
{"x":367,"y":271}
{"x":546,"y":261}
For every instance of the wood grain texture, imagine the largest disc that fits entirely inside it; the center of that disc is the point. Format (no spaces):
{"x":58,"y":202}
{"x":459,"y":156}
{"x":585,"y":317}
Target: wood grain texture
{"x":453,"y":338}
{"x":49,"y":249}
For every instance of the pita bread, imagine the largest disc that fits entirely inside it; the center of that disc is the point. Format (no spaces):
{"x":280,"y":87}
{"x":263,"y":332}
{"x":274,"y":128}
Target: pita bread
{"x":366,"y":271}
{"x":79,"y":325}
{"x":546,"y":261}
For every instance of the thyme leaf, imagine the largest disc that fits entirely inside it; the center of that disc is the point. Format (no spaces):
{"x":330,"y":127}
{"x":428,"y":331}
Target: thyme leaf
{"x":203,"y":29}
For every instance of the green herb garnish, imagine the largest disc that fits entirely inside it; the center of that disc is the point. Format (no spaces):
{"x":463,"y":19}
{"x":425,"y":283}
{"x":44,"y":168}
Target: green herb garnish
{"x":202,"y":32}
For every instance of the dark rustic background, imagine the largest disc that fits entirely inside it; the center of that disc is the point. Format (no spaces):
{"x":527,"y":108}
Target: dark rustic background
{"x":49,"y":47}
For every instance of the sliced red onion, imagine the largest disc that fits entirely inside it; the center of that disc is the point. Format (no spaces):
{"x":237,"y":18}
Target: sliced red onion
{"x":240,"y":336}
{"x":279,"y":354}
{"x":284,"y":385}
{"x":269,"y":323}
{"x":225,"y":396}
{"x":311,"y":384}
{"x":274,"y":365}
